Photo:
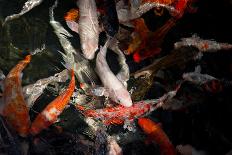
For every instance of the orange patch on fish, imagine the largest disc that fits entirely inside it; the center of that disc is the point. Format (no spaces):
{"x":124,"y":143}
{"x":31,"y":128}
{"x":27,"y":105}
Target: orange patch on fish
{"x":72,"y":15}
{"x":156,"y":134}
{"x":15,"y":110}
{"x":51,"y":112}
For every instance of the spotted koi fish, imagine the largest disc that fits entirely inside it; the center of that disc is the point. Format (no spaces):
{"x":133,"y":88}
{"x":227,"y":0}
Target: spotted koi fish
{"x":50,"y":114}
{"x":15,"y":110}
{"x":157,"y":135}
{"x":119,"y":114}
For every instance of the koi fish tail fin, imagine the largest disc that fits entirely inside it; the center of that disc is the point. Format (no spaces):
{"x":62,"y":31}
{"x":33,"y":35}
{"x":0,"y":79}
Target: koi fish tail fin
{"x":103,"y":49}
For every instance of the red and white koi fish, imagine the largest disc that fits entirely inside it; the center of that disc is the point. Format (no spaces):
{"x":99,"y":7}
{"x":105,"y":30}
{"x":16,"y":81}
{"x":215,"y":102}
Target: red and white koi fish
{"x":116,"y":90}
{"x":88,"y":27}
{"x":202,"y":45}
{"x":157,"y":135}
{"x":50,"y":114}
{"x":15,"y":109}
{"x":118,"y":114}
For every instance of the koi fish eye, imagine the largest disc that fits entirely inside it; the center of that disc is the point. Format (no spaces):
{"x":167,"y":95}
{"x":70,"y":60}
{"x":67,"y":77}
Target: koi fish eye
{"x":118,"y":101}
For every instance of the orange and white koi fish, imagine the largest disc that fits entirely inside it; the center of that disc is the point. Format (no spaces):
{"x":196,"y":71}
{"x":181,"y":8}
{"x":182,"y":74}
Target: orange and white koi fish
{"x":157,"y":135}
{"x":50,"y":114}
{"x":15,"y":109}
{"x":88,"y":27}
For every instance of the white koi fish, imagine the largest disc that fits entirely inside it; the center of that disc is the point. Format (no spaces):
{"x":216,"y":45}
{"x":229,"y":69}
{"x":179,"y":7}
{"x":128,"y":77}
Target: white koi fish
{"x":88,"y":27}
{"x":116,"y":90}
{"x":29,"y":5}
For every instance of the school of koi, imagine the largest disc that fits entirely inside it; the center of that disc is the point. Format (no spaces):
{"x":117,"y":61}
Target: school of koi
{"x":103,"y":98}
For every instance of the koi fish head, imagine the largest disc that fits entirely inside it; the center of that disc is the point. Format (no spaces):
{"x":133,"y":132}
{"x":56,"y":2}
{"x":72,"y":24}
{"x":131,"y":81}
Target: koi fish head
{"x":122,"y":97}
{"x":27,"y":58}
{"x":147,"y":125}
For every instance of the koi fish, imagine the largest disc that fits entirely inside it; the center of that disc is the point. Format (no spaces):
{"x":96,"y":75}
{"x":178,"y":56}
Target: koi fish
{"x":140,"y":33}
{"x":30,"y":4}
{"x":33,"y":91}
{"x":176,"y":57}
{"x":51,"y":112}
{"x":82,"y":68}
{"x":137,"y":8}
{"x":157,"y":135}
{"x":152,"y":44}
{"x":118,"y":114}
{"x":88,"y":27}
{"x":203,"y":45}
{"x":15,"y":109}
{"x":116,"y":90}
{"x":124,"y":74}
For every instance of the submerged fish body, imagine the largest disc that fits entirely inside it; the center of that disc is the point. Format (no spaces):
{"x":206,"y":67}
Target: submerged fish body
{"x":15,"y":109}
{"x":157,"y":135}
{"x":110,"y":18}
{"x":50,"y":114}
{"x":117,"y":91}
{"x":88,"y":27}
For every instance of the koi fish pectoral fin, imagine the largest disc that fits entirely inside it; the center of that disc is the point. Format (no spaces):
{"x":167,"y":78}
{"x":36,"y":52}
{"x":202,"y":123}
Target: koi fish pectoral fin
{"x":100,"y":91}
{"x":122,"y":78}
{"x":74,"y":26}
